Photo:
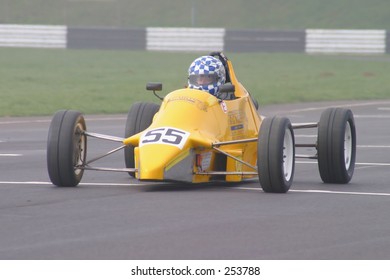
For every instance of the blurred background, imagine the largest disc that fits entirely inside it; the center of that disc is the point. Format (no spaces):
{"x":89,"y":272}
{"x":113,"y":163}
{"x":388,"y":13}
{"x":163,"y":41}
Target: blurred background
{"x":96,"y":56}
{"x":236,"y":14}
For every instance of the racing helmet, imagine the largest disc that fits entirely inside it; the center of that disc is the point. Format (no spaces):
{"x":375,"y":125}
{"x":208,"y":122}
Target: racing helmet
{"x":206,"y":73}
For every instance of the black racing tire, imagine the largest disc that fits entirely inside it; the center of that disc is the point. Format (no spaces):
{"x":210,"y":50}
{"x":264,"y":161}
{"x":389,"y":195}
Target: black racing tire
{"x":336,"y":145}
{"x":139,"y":118}
{"x":276,"y":155}
{"x":66,"y":148}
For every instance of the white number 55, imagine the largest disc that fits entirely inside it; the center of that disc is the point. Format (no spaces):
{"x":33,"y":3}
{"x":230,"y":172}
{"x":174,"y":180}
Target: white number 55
{"x":165,"y":135}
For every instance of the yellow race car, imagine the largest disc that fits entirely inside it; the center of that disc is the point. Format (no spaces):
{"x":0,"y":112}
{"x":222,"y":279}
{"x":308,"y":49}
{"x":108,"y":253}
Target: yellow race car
{"x":197,"y":137}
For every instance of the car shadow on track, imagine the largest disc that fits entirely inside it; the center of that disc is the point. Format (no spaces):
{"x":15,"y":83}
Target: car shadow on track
{"x":175,"y":187}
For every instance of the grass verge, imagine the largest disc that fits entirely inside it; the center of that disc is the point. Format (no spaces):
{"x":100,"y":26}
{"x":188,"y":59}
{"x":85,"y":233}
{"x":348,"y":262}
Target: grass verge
{"x":40,"y":82}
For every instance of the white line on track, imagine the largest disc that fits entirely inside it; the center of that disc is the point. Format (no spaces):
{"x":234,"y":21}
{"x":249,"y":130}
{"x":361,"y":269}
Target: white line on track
{"x":373,"y":163}
{"x":239,"y":188}
{"x":49,"y":183}
{"x":324,"y":192}
{"x":357,"y":163}
{"x":374,"y":146}
{"x":375,"y":103}
{"x":24,"y":183}
{"x":358,"y":146}
{"x":371,"y":116}
{"x":11,"y":155}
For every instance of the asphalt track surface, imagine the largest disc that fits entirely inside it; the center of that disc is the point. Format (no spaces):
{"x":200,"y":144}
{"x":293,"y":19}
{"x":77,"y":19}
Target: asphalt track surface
{"x":111,"y":216}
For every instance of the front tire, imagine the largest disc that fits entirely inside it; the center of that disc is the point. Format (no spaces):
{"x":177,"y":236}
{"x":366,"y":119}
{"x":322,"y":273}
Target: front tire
{"x":336,"y":145}
{"x":139,"y":118}
{"x":276,"y":155}
{"x":66,"y":148}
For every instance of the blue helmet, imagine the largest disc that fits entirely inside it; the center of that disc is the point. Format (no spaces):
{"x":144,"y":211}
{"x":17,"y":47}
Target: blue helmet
{"x":206,"y":73}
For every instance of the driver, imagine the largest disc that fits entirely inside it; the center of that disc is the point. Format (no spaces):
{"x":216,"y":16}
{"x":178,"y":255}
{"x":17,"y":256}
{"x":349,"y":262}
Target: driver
{"x":206,"y":73}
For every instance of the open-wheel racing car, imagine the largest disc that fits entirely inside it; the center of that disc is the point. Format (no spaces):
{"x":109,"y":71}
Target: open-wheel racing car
{"x":197,"y":137}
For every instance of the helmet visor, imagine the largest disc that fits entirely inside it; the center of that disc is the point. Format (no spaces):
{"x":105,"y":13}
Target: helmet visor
{"x":203,"y":79}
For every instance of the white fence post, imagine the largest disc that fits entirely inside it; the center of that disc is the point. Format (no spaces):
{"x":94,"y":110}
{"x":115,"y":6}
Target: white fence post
{"x":345,"y":41}
{"x":33,"y":36}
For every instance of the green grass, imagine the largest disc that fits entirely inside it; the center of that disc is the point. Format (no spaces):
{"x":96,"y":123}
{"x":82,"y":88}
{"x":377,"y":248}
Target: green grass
{"x":234,"y":14}
{"x":40,"y":82}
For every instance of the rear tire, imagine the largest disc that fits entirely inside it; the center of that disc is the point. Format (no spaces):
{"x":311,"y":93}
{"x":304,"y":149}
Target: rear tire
{"x":139,"y":118}
{"x":336,"y":145}
{"x":276,"y":155}
{"x":66,"y":148}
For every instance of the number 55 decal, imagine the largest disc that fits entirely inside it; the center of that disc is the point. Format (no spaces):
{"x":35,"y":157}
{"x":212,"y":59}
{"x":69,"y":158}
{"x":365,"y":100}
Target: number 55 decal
{"x":165,"y":135}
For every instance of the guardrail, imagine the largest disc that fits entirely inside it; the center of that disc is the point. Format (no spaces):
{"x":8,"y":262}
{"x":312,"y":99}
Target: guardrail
{"x":197,"y":39}
{"x":346,"y":41}
{"x":33,"y":36}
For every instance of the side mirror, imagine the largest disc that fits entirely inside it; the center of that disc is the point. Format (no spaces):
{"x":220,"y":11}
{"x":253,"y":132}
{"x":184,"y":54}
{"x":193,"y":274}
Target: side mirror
{"x":226,"y":88}
{"x":154,"y":86}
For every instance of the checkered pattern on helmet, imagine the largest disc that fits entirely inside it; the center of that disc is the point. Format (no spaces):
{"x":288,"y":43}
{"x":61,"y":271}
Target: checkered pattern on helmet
{"x":206,"y":65}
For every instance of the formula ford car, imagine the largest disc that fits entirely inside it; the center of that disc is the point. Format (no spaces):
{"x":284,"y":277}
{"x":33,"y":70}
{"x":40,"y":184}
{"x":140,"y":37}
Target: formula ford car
{"x":195,"y":137}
